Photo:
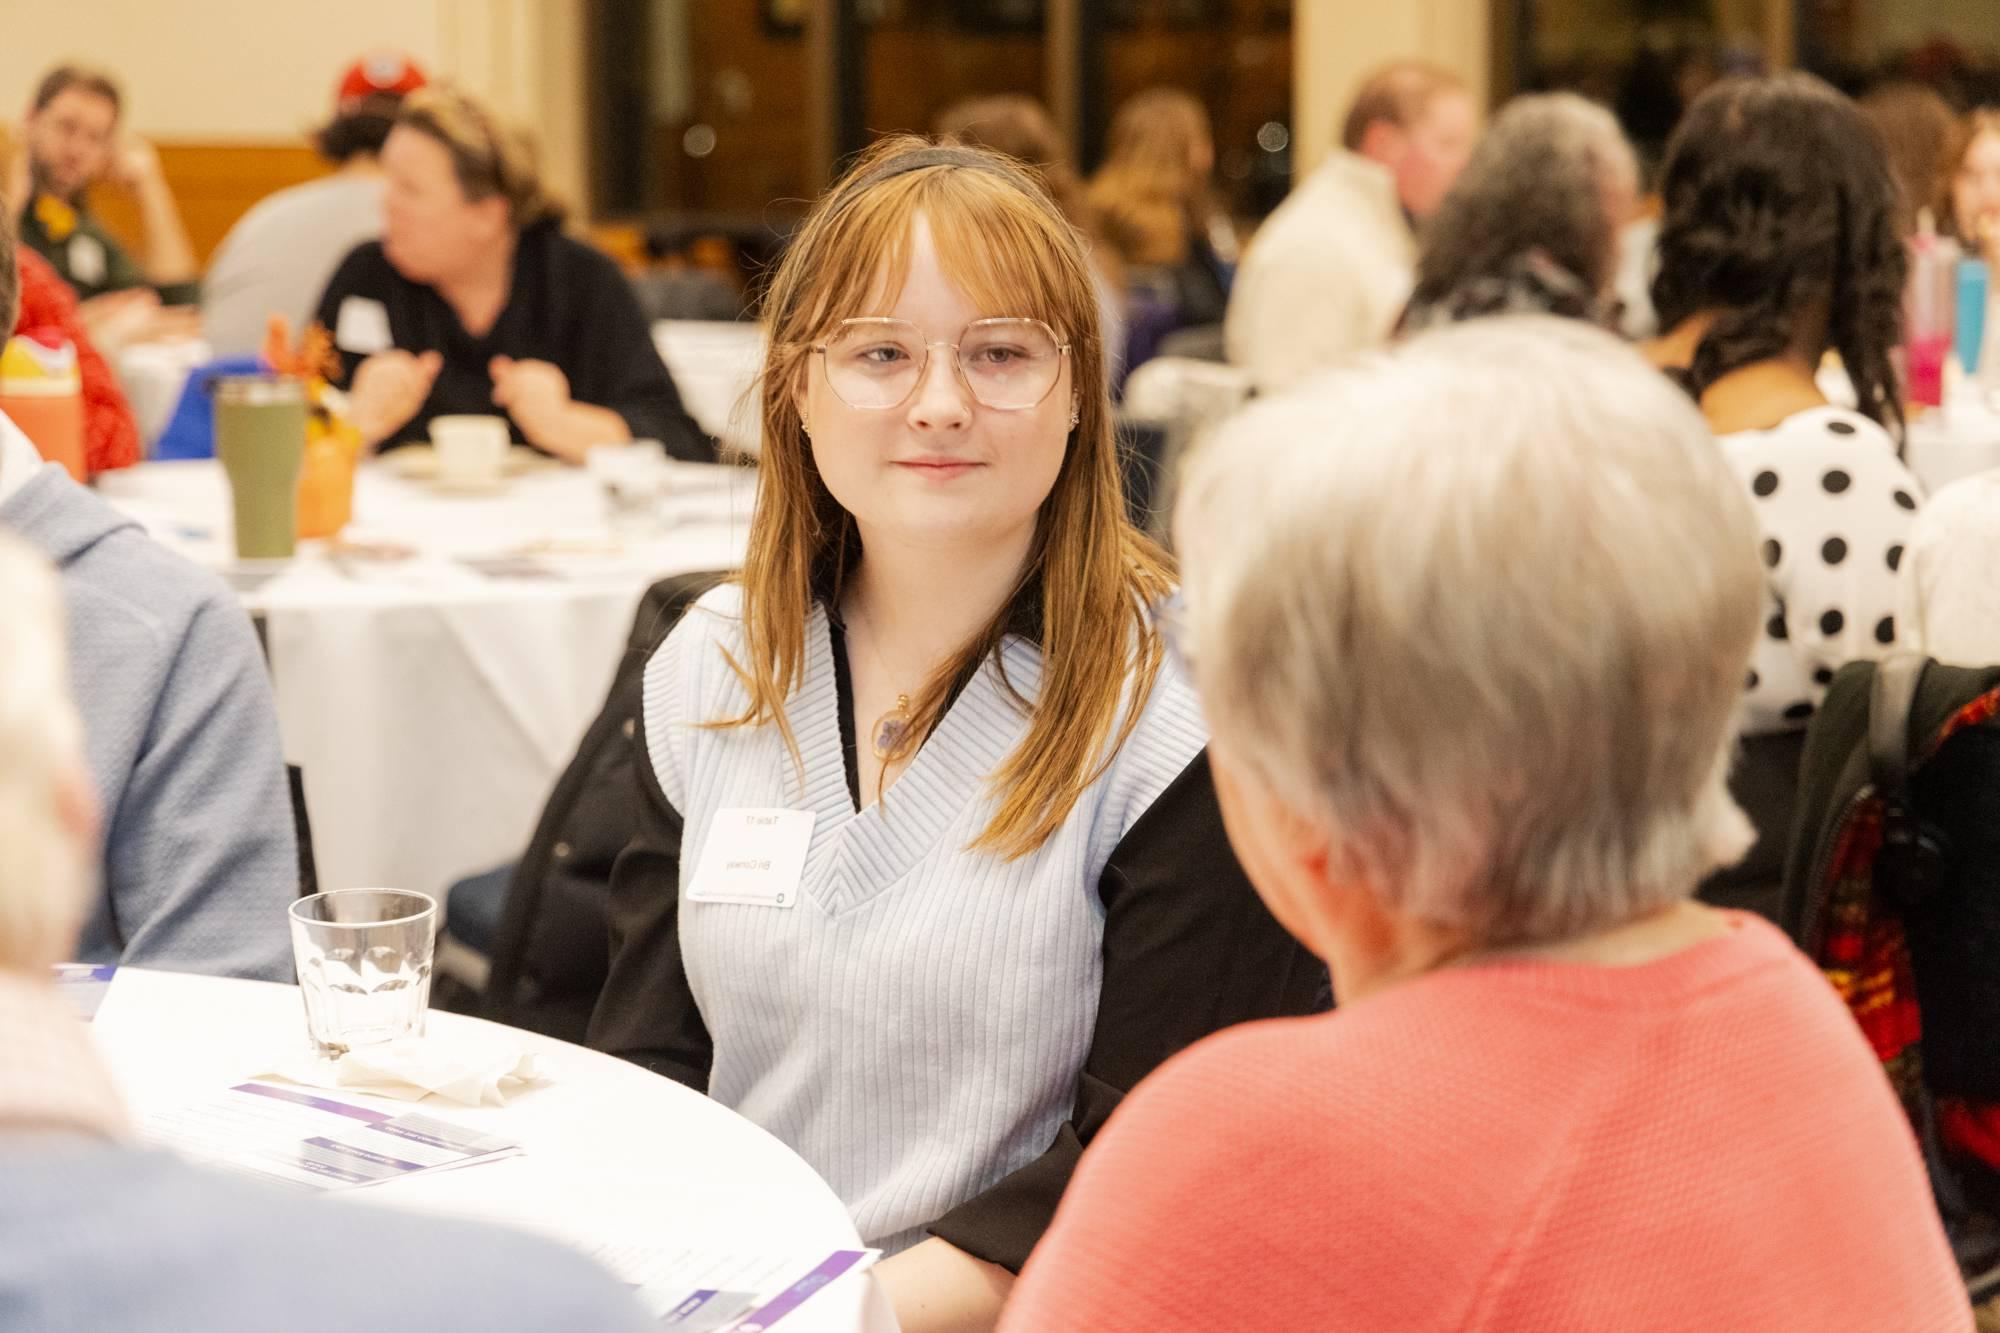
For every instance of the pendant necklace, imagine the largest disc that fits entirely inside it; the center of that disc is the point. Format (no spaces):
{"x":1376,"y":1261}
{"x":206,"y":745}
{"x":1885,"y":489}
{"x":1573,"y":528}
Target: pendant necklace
{"x":887,"y":732}
{"x":889,"y":728}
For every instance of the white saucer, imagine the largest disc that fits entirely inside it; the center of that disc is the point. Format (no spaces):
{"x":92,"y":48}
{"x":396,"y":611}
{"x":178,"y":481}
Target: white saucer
{"x":419,"y":462}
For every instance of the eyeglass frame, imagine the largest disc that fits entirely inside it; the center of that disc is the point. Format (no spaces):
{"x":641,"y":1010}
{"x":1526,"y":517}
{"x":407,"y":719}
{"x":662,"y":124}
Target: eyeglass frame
{"x":958,"y":366}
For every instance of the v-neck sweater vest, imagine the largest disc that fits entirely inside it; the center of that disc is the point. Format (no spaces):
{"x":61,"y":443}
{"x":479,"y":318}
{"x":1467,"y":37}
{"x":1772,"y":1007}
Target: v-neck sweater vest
{"x":915,"y":1027}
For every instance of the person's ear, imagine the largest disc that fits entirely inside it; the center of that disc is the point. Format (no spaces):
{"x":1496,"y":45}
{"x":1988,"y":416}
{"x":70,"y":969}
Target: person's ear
{"x":1384,"y":142}
{"x":496,"y":217}
{"x":1301,"y":840}
{"x":1287,"y":853}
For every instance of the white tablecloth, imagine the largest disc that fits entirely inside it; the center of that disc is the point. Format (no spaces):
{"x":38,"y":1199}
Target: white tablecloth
{"x":152,"y":375}
{"x":612,"y":1152}
{"x":431,"y":705}
{"x":1962,"y":439}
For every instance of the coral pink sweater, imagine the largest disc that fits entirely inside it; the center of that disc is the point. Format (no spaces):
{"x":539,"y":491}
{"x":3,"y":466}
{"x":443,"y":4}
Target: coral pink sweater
{"x":1701,"y":1142}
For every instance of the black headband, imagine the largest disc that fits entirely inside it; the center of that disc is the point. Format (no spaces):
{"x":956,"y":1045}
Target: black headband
{"x":937,"y":156}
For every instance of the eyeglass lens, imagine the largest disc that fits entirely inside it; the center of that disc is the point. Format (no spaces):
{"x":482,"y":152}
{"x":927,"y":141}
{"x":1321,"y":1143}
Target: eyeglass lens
{"x":878,"y":363}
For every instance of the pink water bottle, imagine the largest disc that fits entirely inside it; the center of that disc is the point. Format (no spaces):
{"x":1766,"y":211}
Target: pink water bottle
{"x":1930,"y":314}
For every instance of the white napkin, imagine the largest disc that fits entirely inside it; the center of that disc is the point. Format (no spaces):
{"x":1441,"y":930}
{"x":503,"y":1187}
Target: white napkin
{"x":473,"y":1068}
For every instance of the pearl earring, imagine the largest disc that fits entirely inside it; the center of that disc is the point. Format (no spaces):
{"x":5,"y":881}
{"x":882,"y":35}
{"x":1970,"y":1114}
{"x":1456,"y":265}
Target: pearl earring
{"x":1075,"y":416}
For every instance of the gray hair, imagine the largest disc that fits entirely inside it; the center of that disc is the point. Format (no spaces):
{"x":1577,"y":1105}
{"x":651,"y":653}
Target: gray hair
{"x":1482,"y":606}
{"x":44,"y":872}
{"x":1536,"y":185}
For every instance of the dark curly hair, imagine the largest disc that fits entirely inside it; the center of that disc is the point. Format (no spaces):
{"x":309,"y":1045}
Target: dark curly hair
{"x":1778,"y":206}
{"x":362,"y":128}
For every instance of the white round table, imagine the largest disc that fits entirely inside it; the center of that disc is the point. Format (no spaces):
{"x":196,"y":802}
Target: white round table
{"x":610,"y":1150}
{"x":1958,"y":441}
{"x":432,"y":700}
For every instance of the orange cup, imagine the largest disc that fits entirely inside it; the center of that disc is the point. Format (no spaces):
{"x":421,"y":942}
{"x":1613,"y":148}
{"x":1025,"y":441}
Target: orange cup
{"x":326,"y":482}
{"x":42,"y":393}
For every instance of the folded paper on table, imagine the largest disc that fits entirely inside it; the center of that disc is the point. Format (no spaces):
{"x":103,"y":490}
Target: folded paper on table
{"x":699,"y":1291}
{"x":316,"y":1142}
{"x":472,"y":1068}
{"x":82,"y":986}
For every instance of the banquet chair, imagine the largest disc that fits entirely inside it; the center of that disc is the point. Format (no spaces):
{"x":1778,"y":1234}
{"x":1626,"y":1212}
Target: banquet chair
{"x":190,"y":430}
{"x":1198,"y":342}
{"x":1892,"y":886}
{"x":540,"y":925}
{"x":1764,"y":783}
{"x":295,"y":778}
{"x":689,"y":294}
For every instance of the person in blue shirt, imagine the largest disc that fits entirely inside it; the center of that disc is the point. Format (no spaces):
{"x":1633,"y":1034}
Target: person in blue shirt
{"x":199,"y":858}
{"x":98,"y":1232}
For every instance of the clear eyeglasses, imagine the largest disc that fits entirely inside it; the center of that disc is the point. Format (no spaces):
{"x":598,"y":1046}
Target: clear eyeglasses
{"x":875,"y":363}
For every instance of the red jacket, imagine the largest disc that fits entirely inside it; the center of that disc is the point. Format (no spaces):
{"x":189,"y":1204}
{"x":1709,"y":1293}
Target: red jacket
{"x":110,"y":432}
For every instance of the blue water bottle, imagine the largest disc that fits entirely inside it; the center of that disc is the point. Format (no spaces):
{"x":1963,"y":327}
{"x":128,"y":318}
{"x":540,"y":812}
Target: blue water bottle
{"x":1972,"y":279}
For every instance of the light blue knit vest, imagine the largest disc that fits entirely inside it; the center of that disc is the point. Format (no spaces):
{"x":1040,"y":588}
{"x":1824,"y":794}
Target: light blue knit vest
{"x":915,"y":1026}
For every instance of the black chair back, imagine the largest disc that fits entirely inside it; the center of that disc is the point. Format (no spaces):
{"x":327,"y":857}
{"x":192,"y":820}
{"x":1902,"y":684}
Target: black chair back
{"x":295,"y":778}
{"x":552,"y":951}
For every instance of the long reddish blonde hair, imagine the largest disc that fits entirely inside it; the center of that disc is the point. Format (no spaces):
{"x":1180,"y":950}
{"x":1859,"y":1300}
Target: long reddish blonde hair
{"x":1151,"y":198}
{"x":1090,"y":575}
{"x":1970,"y":129}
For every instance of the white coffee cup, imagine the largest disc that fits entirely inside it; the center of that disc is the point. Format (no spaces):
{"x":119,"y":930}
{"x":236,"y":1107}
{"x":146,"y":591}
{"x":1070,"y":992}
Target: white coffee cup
{"x":470,"y":449}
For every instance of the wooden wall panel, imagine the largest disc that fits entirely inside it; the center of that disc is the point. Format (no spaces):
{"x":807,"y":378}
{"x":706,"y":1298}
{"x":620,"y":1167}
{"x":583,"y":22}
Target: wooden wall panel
{"x":215,"y":184}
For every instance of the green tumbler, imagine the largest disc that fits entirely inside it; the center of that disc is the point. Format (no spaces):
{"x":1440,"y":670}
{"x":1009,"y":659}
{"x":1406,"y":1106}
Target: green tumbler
{"x":260,"y":440}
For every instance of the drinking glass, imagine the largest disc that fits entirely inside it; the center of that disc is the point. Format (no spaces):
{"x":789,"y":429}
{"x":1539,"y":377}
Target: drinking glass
{"x":260,"y":440}
{"x":1930,"y":320}
{"x":364,"y":961}
{"x":633,"y":478}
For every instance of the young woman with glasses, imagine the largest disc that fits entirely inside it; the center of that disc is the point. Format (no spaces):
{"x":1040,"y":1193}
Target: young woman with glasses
{"x":932,"y":869}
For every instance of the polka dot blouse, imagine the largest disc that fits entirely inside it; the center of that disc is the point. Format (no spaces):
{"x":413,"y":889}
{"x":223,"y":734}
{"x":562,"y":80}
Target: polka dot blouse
{"x":1835,"y":508}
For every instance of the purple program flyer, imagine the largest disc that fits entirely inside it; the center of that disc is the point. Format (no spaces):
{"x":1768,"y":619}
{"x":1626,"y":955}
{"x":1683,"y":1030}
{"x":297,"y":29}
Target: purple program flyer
{"x":82,"y":986}
{"x":792,"y":1297}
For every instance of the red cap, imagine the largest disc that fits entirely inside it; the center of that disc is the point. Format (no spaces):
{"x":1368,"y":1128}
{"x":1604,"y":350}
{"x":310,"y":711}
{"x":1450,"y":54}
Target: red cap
{"x":379,"y":74}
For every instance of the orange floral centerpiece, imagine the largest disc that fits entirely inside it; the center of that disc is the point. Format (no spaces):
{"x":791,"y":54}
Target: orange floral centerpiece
{"x":333,"y":445}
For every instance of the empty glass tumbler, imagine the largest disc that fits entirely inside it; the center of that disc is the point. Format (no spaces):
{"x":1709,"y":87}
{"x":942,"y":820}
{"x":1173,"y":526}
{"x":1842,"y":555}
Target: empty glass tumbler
{"x":364,"y":961}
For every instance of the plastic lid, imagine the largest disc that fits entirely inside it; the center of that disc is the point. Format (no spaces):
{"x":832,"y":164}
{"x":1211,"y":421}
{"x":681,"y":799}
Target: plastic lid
{"x":39,"y":361}
{"x":258,"y":389}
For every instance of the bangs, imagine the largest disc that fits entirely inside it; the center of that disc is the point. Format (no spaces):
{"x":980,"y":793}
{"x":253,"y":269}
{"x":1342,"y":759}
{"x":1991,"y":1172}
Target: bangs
{"x":1003,"y":252}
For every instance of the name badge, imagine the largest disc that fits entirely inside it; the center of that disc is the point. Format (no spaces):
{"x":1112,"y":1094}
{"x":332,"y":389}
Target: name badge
{"x":87,"y":260}
{"x":362,"y":327}
{"x":754,"y":857}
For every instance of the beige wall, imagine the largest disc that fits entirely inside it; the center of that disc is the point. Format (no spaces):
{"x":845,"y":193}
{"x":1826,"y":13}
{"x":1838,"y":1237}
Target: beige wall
{"x":263,"y":71}
{"x":1336,"y":43}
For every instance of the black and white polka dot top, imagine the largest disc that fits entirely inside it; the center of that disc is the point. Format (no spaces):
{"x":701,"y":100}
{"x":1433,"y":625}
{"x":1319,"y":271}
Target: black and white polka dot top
{"x":1835,"y":507}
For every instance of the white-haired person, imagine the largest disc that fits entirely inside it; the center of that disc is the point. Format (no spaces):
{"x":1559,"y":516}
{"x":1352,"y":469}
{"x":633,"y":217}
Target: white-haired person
{"x":98,"y":1232}
{"x":1471,"y":639}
